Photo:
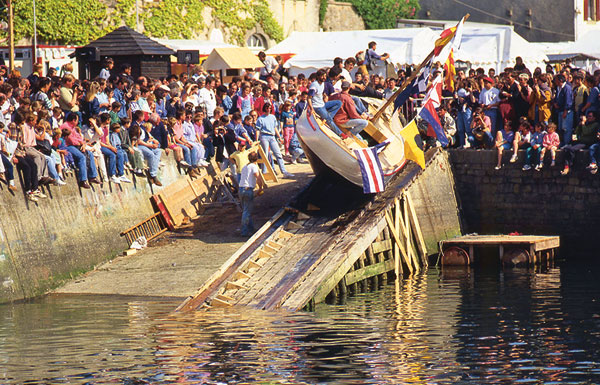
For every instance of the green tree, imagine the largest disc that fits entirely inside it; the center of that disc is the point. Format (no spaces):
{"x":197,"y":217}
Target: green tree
{"x":382,"y":14}
{"x":62,"y":21}
{"x":80,"y":21}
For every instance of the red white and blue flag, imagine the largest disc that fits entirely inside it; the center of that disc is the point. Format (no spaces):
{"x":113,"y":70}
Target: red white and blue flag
{"x":429,"y":114}
{"x":370,"y":168}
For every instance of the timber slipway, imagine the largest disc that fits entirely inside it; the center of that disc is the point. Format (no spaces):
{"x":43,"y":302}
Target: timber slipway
{"x":331,"y":241}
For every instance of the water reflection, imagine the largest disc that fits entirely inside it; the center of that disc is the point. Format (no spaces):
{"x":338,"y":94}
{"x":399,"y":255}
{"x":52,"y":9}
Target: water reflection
{"x":451,"y":326}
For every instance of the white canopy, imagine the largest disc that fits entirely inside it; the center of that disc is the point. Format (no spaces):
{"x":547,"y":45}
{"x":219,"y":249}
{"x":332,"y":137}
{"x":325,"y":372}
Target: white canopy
{"x":204,"y":47}
{"x":588,"y":44}
{"x":497,"y":47}
{"x":482,"y":46}
{"x":317,"y":50}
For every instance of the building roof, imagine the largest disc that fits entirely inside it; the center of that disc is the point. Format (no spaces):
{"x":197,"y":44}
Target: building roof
{"x":124,"y":41}
{"x":231,"y":58}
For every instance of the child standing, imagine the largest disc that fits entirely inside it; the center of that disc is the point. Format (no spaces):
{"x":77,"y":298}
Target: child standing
{"x":287,"y":119}
{"x":551,"y":142}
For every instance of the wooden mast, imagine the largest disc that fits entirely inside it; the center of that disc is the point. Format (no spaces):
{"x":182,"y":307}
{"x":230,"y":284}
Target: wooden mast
{"x":408,"y":81}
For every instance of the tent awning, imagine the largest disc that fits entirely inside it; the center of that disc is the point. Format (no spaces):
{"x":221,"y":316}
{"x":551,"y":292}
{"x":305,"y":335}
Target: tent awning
{"x":204,"y":47}
{"x":231,"y":58}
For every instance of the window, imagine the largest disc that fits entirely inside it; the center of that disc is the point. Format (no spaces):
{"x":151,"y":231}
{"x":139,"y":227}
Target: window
{"x":258,"y":41}
{"x":591,"y":10}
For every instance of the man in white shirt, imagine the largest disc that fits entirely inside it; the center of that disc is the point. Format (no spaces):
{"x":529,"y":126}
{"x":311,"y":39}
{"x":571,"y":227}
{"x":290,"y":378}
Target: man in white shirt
{"x":271,"y":65}
{"x":206,"y":96}
{"x":325,"y":109}
{"x":489,"y":99}
{"x":250,"y":176}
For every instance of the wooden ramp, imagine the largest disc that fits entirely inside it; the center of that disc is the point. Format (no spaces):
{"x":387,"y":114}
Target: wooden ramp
{"x":297,"y":260}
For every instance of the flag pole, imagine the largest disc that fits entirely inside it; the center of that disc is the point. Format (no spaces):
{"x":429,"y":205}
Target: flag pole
{"x":410,"y":79}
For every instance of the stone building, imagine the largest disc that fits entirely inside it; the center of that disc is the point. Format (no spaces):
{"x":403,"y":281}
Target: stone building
{"x":535,"y":20}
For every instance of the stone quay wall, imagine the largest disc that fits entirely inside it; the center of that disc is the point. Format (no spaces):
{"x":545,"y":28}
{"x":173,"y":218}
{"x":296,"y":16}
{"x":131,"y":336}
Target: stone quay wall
{"x":45,"y":243}
{"x":529,"y":202}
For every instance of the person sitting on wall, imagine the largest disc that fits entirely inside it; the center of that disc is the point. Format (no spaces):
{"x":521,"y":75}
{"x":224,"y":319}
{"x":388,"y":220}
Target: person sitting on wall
{"x":481,"y":129}
{"x":586,"y":135}
{"x":505,"y":140}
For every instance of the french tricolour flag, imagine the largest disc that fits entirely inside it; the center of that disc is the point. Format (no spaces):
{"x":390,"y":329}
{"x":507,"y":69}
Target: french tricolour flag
{"x":370,"y":168}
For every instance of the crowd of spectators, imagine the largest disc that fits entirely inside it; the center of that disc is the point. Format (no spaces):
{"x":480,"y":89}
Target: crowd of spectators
{"x":108,"y":128}
{"x":540,"y":112}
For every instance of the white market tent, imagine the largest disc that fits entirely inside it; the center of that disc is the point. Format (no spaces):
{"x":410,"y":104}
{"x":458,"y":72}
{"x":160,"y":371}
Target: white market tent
{"x":487,"y":46}
{"x":497,"y":47}
{"x":405,"y":46}
{"x":588,"y":44}
{"x":204,"y":47}
{"x":295,"y":43}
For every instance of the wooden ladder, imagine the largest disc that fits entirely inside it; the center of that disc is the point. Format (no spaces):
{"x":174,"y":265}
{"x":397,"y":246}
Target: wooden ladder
{"x":149,"y":228}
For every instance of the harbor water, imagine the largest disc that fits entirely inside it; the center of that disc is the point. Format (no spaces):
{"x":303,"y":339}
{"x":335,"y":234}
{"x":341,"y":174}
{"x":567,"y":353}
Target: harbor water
{"x":473,"y":326}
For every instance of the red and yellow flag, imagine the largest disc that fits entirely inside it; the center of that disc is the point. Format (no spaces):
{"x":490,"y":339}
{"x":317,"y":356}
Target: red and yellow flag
{"x":445,"y":38}
{"x":450,"y":71}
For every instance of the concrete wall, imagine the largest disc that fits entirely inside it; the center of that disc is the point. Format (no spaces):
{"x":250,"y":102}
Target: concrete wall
{"x":342,"y":16}
{"x":540,"y":203}
{"x":43,"y":244}
{"x":296,"y":15}
{"x":434,"y":198}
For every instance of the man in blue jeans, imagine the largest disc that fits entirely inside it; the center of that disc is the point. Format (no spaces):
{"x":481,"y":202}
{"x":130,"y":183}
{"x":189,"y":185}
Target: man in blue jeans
{"x":84,"y":159}
{"x":250,"y":176}
{"x":564,"y":108}
{"x":267,"y":125}
{"x":325,"y":109}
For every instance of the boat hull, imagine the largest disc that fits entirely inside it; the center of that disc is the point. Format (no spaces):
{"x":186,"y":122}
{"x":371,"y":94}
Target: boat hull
{"x":325,"y":150}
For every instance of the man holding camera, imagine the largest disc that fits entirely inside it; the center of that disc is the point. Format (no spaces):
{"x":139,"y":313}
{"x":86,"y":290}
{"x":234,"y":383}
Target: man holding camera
{"x":69,"y":94}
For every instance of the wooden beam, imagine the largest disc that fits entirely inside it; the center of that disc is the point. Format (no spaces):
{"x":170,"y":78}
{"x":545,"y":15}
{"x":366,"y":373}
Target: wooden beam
{"x":369,"y":271}
{"x":269,"y":249}
{"x":230,"y":266}
{"x":381,"y":246}
{"x":405,"y":230}
{"x":397,"y":237}
{"x":416,"y":227}
{"x":216,"y":302}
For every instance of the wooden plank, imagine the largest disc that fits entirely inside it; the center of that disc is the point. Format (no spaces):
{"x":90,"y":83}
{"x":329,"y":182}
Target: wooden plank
{"x":369,"y":271}
{"x":407,"y":235}
{"x":381,"y":246}
{"x":290,"y":263}
{"x":225,"y":298}
{"x":396,"y":230}
{"x":371,"y":260}
{"x":268,"y":249}
{"x":324,"y":278}
{"x":303,"y":268}
{"x":274,"y":245}
{"x":282,"y":234}
{"x":163,"y":212}
{"x":254,"y":265}
{"x":549,"y":243}
{"x":216,"y":302}
{"x":416,"y":227}
{"x":264,"y":160}
{"x":231,"y":265}
{"x":287,"y":259}
{"x":240,"y":275}
{"x":232,"y":285}
{"x":262,"y":254}
{"x":397,"y":239}
{"x":292,"y":226}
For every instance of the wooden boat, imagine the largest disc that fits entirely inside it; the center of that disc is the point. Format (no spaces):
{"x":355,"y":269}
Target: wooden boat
{"x":326,"y":150}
